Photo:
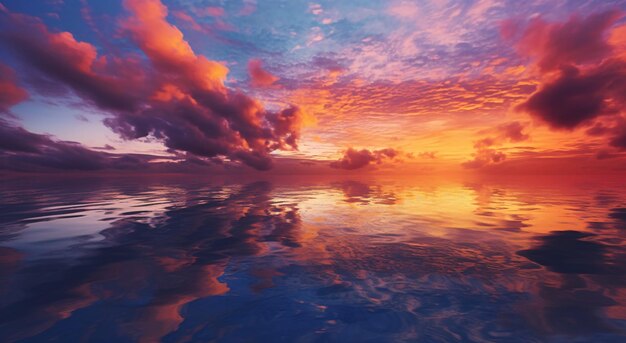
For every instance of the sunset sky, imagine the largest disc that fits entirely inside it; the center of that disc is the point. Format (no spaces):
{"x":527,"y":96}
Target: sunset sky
{"x":327,"y":87}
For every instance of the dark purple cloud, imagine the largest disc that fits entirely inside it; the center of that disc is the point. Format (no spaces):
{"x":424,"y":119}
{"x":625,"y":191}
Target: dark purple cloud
{"x":355,"y":159}
{"x":578,"y":96}
{"x":17,"y":139}
{"x":105,"y":147}
{"x":22,"y":150}
{"x":583,"y":73}
{"x":25,"y":151}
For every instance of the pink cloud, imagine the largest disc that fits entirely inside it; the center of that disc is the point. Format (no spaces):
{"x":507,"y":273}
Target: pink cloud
{"x":249,"y":7}
{"x":260,"y":77}
{"x":576,"y":41}
{"x":10,"y":93}
{"x":210,"y":11}
{"x":189,"y":20}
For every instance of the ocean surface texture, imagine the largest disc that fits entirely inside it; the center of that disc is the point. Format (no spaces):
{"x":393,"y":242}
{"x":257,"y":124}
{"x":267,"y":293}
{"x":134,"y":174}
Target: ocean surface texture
{"x":129,"y":259}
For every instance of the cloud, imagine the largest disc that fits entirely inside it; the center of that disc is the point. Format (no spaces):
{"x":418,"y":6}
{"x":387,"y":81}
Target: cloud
{"x":259,"y":77}
{"x":17,"y":139}
{"x":576,"y":41}
{"x":61,"y":57}
{"x":177,"y":96}
{"x":428,"y":154}
{"x":199,"y":114}
{"x":105,"y":147}
{"x":210,"y":11}
{"x":615,"y":131}
{"x":513,"y":132}
{"x":189,"y":21}
{"x":598,"y":129}
{"x":485,"y":153}
{"x":328,"y":64}
{"x":355,"y":159}
{"x":619,"y":138}
{"x":24,"y":150}
{"x":576,"y":96}
{"x":249,"y":7}
{"x":349,"y":97}
{"x":583,"y":72}
{"x":10,"y":93}
{"x":507,"y":132}
{"x":484,"y":157}
{"x":166,"y":47}
{"x":404,"y":10}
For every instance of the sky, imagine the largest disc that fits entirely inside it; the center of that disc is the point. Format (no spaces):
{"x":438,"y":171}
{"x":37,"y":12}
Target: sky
{"x":431,"y":86}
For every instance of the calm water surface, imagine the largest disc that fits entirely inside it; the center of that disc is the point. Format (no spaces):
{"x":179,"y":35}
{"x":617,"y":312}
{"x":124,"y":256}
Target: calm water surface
{"x":338,"y":260}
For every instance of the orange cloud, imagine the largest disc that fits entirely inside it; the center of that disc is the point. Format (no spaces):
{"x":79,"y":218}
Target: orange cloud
{"x":164,"y":44}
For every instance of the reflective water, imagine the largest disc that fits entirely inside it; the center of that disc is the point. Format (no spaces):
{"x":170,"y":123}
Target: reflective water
{"x":188,"y":259}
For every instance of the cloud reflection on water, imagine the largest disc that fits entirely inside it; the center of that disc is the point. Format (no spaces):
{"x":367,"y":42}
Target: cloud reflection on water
{"x":316,"y":260}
